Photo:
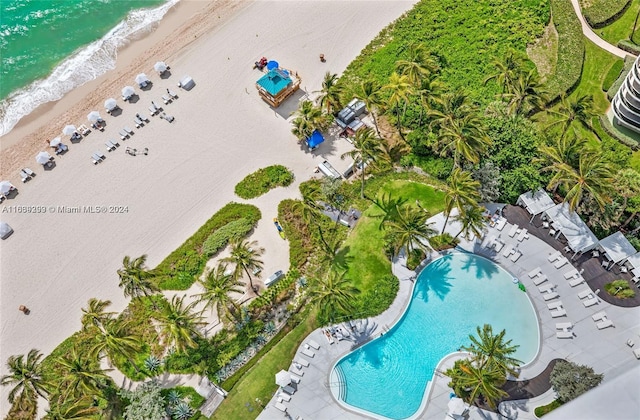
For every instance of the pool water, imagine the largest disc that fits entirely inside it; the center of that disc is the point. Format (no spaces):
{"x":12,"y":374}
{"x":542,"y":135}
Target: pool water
{"x":452,"y":296}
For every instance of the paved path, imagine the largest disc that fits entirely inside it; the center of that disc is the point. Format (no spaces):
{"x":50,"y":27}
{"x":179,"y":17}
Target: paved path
{"x":593,"y":37}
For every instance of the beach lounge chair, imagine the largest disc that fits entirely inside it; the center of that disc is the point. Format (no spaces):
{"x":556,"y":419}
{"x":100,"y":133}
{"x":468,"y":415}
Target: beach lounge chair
{"x":508,"y":251}
{"x":94,"y":159}
{"x":571,"y":274}
{"x":590,"y":302}
{"x":24,"y":176}
{"x":554,"y":305}
{"x":550,"y":296}
{"x":564,"y":326}
{"x":110,"y":146}
{"x":599,"y":316}
{"x":513,"y":231}
{"x":123,"y":135}
{"x":604,"y":324}
{"x":172,"y":94}
{"x":585,"y":293}
{"x":303,"y":362}
{"x":516,"y":255}
{"x":546,"y":288}
{"x":523,"y":235}
{"x":539,"y":280}
{"x":166,"y":117}
{"x":166,"y":99}
{"x":83,"y":130}
{"x":138,"y":122}
{"x":490,"y":241}
{"x":313,"y":344}
{"x":284,"y":397}
{"x":28,"y":171}
{"x":295,"y":379}
{"x":153,"y":110}
{"x":636,"y":353}
{"x":535,"y":272}
{"x":308,"y":353}
{"x":498,"y":245}
{"x":554,"y":256}
{"x":142,"y":117}
{"x":128,"y":130}
{"x":501,"y":223}
{"x":281,"y":407}
{"x":557,"y":313}
{"x":289,"y":389}
{"x":576,"y":281}
{"x":296,"y":370}
{"x":561,"y":262}
{"x":564,"y":334}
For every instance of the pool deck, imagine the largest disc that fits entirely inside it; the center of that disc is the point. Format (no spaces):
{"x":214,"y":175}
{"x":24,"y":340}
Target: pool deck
{"x":604,"y":350}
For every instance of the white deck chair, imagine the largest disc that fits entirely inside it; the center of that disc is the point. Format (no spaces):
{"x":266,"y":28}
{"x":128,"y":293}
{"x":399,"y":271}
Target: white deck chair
{"x":576,"y":281}
{"x":516,"y":255}
{"x":554,"y":256}
{"x":498,"y":245}
{"x":313,"y":344}
{"x":523,"y":235}
{"x":302,"y":362}
{"x":557,"y":313}
{"x":296,"y":370}
{"x":564,"y":326}
{"x":24,"y":176}
{"x":590,"y":302}
{"x":539,"y":280}
{"x":546,"y":288}
{"x":284,"y":397}
{"x":571,"y":274}
{"x":604,"y":324}
{"x":550,"y":296}
{"x":555,"y":305}
{"x":308,"y":353}
{"x":281,"y":407}
{"x":585,"y":293}
{"x":535,"y":272}
{"x":564,"y":334}
{"x":513,"y":231}
{"x":599,"y":316}
{"x":508,"y":251}
{"x":561,"y":262}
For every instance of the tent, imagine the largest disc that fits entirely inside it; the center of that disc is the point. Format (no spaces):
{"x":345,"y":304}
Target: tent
{"x":315,"y":140}
{"x":568,"y":224}
{"x":186,"y":83}
{"x":283,"y":378}
{"x":272,"y":65}
{"x":535,"y":202}
{"x":160,"y":67}
{"x":616,"y":247}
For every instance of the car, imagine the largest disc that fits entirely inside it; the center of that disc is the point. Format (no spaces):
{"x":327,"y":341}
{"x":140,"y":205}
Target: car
{"x":274,"y":278}
{"x":5,"y":230}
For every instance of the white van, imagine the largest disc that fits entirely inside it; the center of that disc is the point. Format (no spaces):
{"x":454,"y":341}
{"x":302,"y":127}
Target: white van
{"x":328,"y":170}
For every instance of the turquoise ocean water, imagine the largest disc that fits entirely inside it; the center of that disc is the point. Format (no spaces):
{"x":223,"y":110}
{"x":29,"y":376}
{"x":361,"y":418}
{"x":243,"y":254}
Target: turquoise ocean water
{"x":48,"y":47}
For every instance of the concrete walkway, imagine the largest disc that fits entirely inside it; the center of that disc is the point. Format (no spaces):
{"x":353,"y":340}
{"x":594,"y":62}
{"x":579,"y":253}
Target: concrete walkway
{"x":593,"y":37}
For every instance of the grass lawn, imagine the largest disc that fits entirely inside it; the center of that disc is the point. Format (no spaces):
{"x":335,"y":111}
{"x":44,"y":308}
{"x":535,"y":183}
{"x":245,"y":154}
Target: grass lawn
{"x":635,"y":161}
{"x":259,"y":382}
{"x":621,"y":28}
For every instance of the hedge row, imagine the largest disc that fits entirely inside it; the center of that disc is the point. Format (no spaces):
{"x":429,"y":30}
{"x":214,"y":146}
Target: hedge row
{"x":237,"y":229}
{"x":616,"y":134}
{"x":612,"y":75}
{"x":613,"y":89}
{"x":600,"y":13}
{"x":269,"y":296}
{"x":188,"y":261}
{"x":570,"y":49}
{"x":629,"y":47}
{"x":263,"y":180}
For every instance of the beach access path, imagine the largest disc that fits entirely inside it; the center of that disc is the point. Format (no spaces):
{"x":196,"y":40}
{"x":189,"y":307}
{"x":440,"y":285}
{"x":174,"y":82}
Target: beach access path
{"x":55,"y":262}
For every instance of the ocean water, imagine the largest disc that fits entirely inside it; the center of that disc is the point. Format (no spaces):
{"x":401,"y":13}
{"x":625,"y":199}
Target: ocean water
{"x":49,"y":47}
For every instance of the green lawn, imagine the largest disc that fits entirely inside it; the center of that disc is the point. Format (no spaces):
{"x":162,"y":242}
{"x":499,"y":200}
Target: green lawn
{"x":596,"y":66}
{"x":621,"y":28}
{"x":635,"y":161}
{"x":259,"y":382}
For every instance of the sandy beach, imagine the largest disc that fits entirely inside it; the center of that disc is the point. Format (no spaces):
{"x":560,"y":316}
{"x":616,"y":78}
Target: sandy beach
{"x":56,"y":261}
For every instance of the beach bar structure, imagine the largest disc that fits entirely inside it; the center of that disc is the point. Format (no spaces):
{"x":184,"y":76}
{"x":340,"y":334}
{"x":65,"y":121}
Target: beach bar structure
{"x":277,"y":85}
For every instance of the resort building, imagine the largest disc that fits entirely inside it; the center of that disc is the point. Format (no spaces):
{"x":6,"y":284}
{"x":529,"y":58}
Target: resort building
{"x":277,"y":85}
{"x":626,"y":103}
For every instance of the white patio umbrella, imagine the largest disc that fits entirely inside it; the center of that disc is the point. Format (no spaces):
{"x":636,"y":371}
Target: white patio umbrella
{"x":128,"y":91}
{"x":55,"y":142}
{"x":141,"y":78}
{"x":110,"y":104}
{"x":160,"y":67}
{"x":68,"y":130}
{"x":93,"y":116}
{"x":283,"y":378}
{"x":5,"y":187}
{"x":42,"y":158}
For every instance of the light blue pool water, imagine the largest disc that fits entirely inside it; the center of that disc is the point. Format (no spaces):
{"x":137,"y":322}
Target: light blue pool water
{"x":453,"y":295}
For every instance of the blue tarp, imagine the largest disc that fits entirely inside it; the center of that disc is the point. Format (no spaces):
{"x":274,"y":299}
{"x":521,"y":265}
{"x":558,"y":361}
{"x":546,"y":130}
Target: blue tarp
{"x":272,"y":65}
{"x":315,"y":139}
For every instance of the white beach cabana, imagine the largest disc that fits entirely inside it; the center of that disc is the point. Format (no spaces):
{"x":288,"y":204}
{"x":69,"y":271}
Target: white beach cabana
{"x":283,"y":378}
{"x":160,"y":67}
{"x":568,"y":224}
{"x":633,"y":263}
{"x":128,"y":92}
{"x":535,"y":202}
{"x":142,"y":80}
{"x":55,"y":142}
{"x":43,"y":158}
{"x":93,"y":116}
{"x":616,"y":248}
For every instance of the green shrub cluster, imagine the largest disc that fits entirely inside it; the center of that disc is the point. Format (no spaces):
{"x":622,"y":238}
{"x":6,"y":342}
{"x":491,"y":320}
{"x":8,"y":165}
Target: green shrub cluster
{"x":263,"y":180}
{"x":620,"y":289}
{"x":187,"y":394}
{"x":181,"y":267}
{"x":298,"y":235}
{"x":600,"y":13}
{"x":629,"y":46}
{"x":617,"y":134}
{"x":231,"y":231}
{"x":612,"y":75}
{"x":443,"y":241}
{"x":545,"y":409}
{"x":374,"y":302}
{"x":571,"y":49}
{"x":269,"y":296}
{"x":433,"y":165}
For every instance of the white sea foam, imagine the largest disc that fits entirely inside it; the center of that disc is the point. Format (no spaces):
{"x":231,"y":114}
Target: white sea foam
{"x":81,"y":67}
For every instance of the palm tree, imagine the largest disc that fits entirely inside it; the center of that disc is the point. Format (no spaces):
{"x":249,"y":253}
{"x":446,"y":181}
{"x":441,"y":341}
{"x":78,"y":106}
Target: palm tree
{"x":333,"y":294}
{"x":246,"y":256}
{"x":136,"y":279}
{"x":526,"y":93}
{"x":81,"y":376}
{"x":81,"y":409}
{"x":471,"y":382}
{"x":449,"y":108}
{"x":461,"y":193}
{"x":400,"y":89}
{"x":368,"y":91}
{"x":419,"y":64}
{"x":473,"y":221}
{"x":572,"y":112}
{"x":430,"y":93}
{"x":565,"y":151}
{"x":491,"y":351}
{"x":464,"y":138}
{"x":217,"y":285}
{"x":114,"y":340}
{"x":366,"y":151}
{"x":410,"y":230}
{"x":179,"y":324}
{"x":95,"y":315}
{"x":308,"y":118}
{"x":507,"y":70}
{"x":330,"y":93}
{"x":26,"y":377}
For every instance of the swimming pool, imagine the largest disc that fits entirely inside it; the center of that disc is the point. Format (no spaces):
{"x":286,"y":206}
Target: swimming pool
{"x":452,"y":296}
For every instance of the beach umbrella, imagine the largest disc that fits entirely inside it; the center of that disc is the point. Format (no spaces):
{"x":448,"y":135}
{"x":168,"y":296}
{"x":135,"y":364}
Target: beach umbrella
{"x":272,"y":65}
{"x":93,"y":116}
{"x":283,"y":378}
{"x":55,"y":142}
{"x":43,"y":157}
{"x":110,"y":104}
{"x":68,"y":130}
{"x":128,"y":91}
{"x":160,"y":67}
{"x":5,"y":187}
{"x":141,"y":79}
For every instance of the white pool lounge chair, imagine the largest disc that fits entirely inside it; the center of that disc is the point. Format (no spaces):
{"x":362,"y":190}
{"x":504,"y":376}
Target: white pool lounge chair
{"x":599,"y":316}
{"x":24,"y":176}
{"x":546,"y":288}
{"x":289,"y":389}
{"x":302,"y":361}
{"x":296,"y":370}
{"x":585,"y":293}
{"x":571,"y":274}
{"x":539,"y":280}
{"x":307,"y":352}
{"x":535,"y":272}
{"x":128,"y":130}
{"x":604,"y":324}
{"x":82,"y":129}
{"x":490,"y":241}
{"x":516,"y":255}
{"x":110,"y":146}
{"x":554,"y":256}
{"x":555,"y":305}
{"x":557,"y":313}
{"x":313,"y":344}
{"x":166,"y":99}
{"x":564,"y":326}
{"x":576,"y":281}
{"x":295,"y":379}
{"x":498,"y":245}
{"x":501,"y":223}
{"x":284,"y":397}
{"x":564,"y":334}
{"x":513,"y":231}
{"x":590,"y":302}
{"x":523,"y":235}
{"x":508,"y":251}
{"x":550,"y":296}
{"x":280,"y":407}
{"x":636,"y":353}
{"x":561,"y":262}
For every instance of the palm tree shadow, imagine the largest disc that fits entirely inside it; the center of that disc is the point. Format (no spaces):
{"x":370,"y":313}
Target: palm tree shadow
{"x":440,"y":285}
{"x":480,"y":266}
{"x":343,"y":259}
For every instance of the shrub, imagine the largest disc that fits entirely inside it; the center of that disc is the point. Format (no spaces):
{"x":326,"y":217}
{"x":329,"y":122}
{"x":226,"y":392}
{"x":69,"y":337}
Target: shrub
{"x":612,"y":75}
{"x":298,"y":234}
{"x":374,"y":302}
{"x":231,"y":231}
{"x":620,"y":289}
{"x":629,"y":46}
{"x":570,"y":380}
{"x":435,"y":166}
{"x":186,"y":394}
{"x":269,"y":296}
{"x":263,"y":180}
{"x":544,"y":409}
{"x":600,"y":13}
{"x":444,"y":241}
{"x":415,"y":258}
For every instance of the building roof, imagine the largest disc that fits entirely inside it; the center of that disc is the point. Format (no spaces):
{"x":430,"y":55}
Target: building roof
{"x":274,"y":81}
{"x":536,"y":202}
{"x":573,"y":228}
{"x":617,"y":247}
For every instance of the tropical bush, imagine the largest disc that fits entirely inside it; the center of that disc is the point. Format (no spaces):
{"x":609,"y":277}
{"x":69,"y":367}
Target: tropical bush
{"x":270,"y":295}
{"x":570,"y":380}
{"x":444,"y":241}
{"x":544,"y":409}
{"x":620,"y":289}
{"x":300,"y":245}
{"x":599,"y":13}
{"x":235,"y":230}
{"x":263,"y":180}
{"x":186,"y":393}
